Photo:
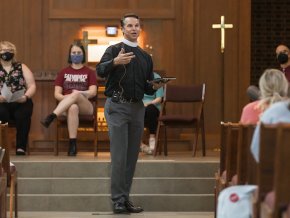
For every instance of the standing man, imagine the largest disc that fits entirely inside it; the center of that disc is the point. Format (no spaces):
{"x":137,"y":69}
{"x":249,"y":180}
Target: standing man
{"x":128,"y":69}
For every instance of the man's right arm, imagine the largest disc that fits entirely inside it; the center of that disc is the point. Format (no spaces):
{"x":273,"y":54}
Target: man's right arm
{"x":109,"y":61}
{"x":106,"y":63}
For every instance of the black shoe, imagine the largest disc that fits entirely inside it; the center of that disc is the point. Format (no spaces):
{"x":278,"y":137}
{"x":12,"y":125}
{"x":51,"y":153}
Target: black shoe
{"x":131,"y":208}
{"x":72,"y":151}
{"x":48,"y":120}
{"x":20,"y":151}
{"x":119,"y":207}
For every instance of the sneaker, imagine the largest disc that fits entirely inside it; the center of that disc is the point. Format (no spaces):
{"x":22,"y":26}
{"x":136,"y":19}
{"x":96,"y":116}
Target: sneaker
{"x":20,"y":151}
{"x":48,"y":120}
{"x":145,"y":149}
{"x":152,"y":143}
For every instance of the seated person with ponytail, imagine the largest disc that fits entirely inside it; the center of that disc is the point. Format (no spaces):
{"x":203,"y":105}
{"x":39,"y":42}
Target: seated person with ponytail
{"x":274,"y":104}
{"x":274,"y":87}
{"x":74,"y":86}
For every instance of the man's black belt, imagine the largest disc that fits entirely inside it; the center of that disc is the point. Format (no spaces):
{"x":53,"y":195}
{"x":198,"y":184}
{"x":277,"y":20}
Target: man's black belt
{"x":128,"y":100}
{"x":118,"y":98}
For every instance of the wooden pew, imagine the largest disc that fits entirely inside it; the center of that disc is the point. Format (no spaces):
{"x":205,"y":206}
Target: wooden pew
{"x":220,"y":177}
{"x":228,"y":157}
{"x":265,"y":173}
{"x":220,"y":184}
{"x":232,"y":151}
{"x":3,"y":186}
{"x":246,"y":166}
{"x":10,"y":171}
{"x":281,"y":181}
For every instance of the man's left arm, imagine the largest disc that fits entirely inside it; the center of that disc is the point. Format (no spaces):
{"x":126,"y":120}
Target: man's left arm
{"x":150,"y":89}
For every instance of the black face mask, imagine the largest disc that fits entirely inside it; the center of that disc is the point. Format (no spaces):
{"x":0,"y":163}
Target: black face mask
{"x":7,"y":56}
{"x":282,"y":58}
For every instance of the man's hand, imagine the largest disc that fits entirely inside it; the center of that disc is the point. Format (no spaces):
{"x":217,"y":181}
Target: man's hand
{"x":123,"y":58}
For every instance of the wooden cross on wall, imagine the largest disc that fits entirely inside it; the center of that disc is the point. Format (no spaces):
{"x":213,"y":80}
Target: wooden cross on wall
{"x":222,"y":26}
{"x":86,"y":41}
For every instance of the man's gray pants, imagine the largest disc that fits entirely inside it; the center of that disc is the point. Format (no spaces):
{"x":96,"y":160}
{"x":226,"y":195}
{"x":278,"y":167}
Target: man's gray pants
{"x":126,"y":123}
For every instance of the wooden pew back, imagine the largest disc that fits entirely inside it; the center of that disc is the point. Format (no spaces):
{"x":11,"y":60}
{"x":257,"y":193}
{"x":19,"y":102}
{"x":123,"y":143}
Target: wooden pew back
{"x":282,"y":170}
{"x":224,"y":127}
{"x":268,"y":146}
{"x":4,"y":144}
{"x":246,"y":166}
{"x":232,"y":150}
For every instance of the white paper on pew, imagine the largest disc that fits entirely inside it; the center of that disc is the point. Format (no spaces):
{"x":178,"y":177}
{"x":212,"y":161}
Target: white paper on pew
{"x":235,"y":201}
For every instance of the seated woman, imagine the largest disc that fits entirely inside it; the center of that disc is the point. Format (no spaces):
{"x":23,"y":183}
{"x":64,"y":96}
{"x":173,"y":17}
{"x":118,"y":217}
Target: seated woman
{"x":272,"y":84}
{"x":251,"y":113}
{"x":16,"y":78}
{"x":277,"y":84}
{"x":152,"y":105}
{"x":74,"y":86}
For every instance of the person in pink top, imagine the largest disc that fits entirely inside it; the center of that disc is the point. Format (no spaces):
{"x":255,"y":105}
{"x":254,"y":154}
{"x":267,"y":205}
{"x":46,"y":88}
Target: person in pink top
{"x":251,"y":113}
{"x":272,"y":85}
{"x":74,"y":86}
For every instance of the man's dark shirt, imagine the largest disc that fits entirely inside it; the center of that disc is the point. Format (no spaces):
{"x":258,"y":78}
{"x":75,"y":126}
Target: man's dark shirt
{"x":132,"y":77}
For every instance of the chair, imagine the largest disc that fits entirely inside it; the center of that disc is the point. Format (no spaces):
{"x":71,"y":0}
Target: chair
{"x":86,"y":122}
{"x":191,"y":94}
{"x":10,"y":170}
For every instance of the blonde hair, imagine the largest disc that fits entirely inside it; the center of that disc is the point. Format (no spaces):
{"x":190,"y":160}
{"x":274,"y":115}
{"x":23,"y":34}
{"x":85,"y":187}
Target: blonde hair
{"x":274,"y":87}
{"x":9,"y":45}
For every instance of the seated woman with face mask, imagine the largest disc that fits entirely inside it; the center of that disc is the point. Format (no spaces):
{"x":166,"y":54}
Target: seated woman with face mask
{"x":17,"y":86}
{"x":74,"y":86}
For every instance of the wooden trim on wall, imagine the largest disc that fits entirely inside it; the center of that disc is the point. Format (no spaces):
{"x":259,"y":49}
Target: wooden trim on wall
{"x":165,"y":12}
